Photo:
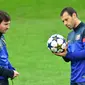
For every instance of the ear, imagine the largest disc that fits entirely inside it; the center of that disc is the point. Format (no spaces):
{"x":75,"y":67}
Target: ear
{"x":74,"y":15}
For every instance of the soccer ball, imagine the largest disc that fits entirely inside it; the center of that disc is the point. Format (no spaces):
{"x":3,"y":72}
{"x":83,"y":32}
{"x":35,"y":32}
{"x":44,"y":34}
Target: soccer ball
{"x":56,"y":43}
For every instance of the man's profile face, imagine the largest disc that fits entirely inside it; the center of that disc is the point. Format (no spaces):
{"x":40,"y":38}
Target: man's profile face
{"x":4,"y":26}
{"x":68,"y":20}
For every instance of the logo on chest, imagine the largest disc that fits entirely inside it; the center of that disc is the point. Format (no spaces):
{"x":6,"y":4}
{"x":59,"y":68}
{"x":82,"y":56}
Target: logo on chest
{"x":77,"y":37}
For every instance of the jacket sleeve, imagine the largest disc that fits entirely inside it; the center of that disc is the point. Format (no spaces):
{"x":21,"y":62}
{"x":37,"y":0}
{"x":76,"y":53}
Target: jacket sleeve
{"x":10,"y":66}
{"x":78,"y":55}
{"x":65,"y":59}
{"x":6,"y":72}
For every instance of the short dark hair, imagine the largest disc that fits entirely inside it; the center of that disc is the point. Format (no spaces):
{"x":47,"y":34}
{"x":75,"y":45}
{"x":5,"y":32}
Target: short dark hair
{"x":4,"y":16}
{"x":69,"y":10}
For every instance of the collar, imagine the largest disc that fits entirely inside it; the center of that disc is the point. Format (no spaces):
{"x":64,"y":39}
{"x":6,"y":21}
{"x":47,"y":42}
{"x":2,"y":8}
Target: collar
{"x":81,"y":24}
{"x":0,"y":34}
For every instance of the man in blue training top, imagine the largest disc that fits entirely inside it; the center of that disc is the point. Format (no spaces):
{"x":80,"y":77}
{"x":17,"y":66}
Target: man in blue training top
{"x":75,"y":50}
{"x":4,"y":62}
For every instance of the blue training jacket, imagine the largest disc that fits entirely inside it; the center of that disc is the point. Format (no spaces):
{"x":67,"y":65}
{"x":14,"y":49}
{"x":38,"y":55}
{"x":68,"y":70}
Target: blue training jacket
{"x":4,"y":62}
{"x":76,"y":53}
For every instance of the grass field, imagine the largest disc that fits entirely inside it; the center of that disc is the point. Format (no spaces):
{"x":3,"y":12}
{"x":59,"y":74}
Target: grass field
{"x":33,"y":21}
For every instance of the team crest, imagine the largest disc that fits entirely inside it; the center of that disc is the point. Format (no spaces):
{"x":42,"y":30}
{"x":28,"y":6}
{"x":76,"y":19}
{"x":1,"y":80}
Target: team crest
{"x":78,"y":37}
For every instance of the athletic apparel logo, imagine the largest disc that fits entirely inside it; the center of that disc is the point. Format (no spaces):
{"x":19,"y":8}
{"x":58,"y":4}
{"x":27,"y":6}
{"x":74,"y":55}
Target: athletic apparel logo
{"x":78,"y":37}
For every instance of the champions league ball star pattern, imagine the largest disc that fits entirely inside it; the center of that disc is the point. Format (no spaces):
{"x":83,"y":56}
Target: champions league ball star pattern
{"x":56,"y":43}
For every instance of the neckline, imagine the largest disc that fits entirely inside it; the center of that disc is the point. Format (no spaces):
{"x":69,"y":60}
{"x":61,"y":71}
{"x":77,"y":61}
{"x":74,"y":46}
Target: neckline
{"x":80,"y":24}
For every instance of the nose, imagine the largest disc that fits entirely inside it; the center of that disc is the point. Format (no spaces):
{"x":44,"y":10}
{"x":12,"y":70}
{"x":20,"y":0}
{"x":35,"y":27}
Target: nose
{"x":8,"y":26}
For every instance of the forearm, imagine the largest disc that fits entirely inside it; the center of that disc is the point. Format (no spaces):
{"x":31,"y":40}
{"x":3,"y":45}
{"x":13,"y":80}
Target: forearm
{"x":10,"y":66}
{"x":78,"y":55}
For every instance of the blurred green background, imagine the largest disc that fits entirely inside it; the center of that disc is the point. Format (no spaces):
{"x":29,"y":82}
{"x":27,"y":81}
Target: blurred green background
{"x":33,"y":22}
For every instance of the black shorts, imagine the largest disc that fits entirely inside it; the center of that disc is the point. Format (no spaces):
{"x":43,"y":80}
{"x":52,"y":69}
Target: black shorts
{"x":81,"y":83}
{"x":4,"y":82}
